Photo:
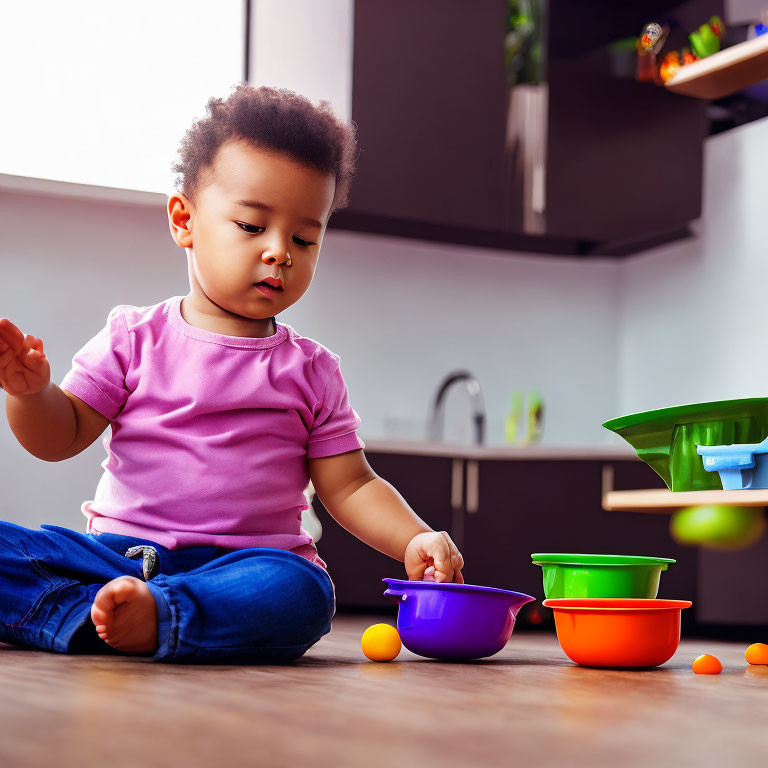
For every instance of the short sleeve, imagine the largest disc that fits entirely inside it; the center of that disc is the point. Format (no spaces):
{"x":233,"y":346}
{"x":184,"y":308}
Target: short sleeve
{"x":98,"y":370}
{"x":335,"y":426}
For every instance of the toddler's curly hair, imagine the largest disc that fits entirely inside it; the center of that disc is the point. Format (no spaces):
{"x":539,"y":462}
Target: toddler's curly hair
{"x":274,"y":119}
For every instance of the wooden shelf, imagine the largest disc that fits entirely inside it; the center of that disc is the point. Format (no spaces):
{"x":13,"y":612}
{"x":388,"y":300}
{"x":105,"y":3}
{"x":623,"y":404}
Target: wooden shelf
{"x":724,"y":72}
{"x":664,"y":501}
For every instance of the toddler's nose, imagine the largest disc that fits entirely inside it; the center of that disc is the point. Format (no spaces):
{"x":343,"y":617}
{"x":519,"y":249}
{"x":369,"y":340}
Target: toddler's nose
{"x":274,"y":256}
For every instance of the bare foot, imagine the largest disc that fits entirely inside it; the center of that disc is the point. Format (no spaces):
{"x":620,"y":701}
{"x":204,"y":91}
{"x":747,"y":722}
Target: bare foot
{"x":125,"y":615}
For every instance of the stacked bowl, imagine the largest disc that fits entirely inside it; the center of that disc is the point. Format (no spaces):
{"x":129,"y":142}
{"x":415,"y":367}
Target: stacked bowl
{"x":606,"y":610}
{"x":442,"y":620}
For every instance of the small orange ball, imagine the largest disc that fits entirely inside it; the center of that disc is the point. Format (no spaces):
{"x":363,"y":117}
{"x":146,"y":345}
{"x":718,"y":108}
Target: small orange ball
{"x":757,"y":653}
{"x":381,"y":642}
{"x":707,"y":665}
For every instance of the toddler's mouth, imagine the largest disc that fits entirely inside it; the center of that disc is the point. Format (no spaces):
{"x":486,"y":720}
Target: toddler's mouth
{"x":267,"y":289}
{"x":271,"y":282}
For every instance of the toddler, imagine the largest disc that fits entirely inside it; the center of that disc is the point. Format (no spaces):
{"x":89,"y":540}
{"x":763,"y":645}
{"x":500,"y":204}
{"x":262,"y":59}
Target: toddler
{"x":219,"y":415}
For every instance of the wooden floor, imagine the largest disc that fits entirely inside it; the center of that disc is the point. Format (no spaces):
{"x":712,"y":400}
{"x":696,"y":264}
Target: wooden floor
{"x":334,"y":708}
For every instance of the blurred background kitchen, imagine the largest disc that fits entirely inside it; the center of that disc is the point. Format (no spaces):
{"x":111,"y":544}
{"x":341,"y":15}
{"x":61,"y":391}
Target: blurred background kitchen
{"x":539,"y":239}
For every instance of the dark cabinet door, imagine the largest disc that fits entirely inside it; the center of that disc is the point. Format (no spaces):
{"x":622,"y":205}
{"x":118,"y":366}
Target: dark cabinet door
{"x":605,"y":131}
{"x":356,"y":568}
{"x":555,"y":506}
{"x":587,"y":160}
{"x":732,"y":588}
{"x":429,"y":100}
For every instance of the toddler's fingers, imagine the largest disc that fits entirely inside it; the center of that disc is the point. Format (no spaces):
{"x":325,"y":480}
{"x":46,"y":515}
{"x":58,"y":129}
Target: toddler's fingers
{"x":34,"y":361}
{"x":36,"y":346}
{"x":443,"y":576}
{"x":429,"y":574}
{"x":8,"y":347}
{"x":443,"y":565}
{"x":33,"y":356}
{"x":11,"y":335}
{"x":6,"y":355}
{"x":416,"y":571}
{"x":456,"y":559}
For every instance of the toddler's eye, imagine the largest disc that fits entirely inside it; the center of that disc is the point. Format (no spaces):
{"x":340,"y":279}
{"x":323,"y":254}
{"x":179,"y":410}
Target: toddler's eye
{"x":302,"y":243}
{"x":251,"y":229}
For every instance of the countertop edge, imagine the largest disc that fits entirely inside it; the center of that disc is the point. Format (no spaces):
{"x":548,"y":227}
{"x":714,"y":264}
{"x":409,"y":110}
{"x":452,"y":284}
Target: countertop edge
{"x":511,"y":453}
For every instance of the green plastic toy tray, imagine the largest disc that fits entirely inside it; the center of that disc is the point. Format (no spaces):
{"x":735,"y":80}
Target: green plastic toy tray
{"x":666,"y":439}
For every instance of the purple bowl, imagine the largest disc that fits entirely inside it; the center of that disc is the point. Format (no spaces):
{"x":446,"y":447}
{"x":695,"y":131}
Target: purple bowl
{"x":454,"y":621}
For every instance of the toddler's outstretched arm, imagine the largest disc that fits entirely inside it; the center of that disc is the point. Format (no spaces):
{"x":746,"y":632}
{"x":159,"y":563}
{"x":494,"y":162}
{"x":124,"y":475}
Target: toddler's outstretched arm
{"x":371,"y":509}
{"x":50,"y":423}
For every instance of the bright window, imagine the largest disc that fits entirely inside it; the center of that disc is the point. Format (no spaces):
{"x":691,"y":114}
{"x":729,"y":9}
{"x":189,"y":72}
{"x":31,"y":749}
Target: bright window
{"x":101,"y":93}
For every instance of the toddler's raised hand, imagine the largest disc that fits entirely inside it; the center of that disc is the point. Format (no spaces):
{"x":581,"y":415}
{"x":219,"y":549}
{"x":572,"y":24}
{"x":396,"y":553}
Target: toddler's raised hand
{"x":433,"y":556}
{"x":24,"y":368}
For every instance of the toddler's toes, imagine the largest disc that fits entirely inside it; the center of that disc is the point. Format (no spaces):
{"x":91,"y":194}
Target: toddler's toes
{"x":101,"y":615}
{"x":111,"y":595}
{"x":125,"y":615}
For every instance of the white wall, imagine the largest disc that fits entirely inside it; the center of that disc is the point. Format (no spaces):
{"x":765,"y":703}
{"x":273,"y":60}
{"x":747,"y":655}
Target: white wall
{"x":693,"y":314}
{"x":400,"y":313}
{"x":306,"y":46}
{"x":63,"y":265}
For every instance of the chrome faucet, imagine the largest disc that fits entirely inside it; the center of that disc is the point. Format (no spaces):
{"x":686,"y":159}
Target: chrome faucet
{"x":437,"y":416}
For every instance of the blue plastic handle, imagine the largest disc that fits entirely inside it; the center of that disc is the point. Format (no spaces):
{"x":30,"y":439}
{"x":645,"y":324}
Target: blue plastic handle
{"x":714,"y":463}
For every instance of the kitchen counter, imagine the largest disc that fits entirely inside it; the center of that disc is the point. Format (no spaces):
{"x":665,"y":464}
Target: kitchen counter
{"x":502,"y":452}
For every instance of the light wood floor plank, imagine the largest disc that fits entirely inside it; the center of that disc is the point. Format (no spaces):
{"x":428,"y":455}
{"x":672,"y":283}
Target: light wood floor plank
{"x":334,"y":708}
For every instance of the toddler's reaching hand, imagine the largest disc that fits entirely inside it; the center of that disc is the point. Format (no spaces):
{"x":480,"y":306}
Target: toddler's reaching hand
{"x":432,"y":556}
{"x":24,"y":368}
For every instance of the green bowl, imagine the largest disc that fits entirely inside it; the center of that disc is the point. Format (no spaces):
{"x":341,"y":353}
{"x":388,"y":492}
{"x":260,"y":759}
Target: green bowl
{"x":567,"y":575}
{"x":667,"y":439}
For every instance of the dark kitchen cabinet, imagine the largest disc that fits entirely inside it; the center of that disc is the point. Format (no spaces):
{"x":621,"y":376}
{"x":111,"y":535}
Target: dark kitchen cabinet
{"x":356,"y":568}
{"x":732,"y":587}
{"x":555,"y":506}
{"x":582,"y":160}
{"x":500,"y":511}
{"x":429,"y":101}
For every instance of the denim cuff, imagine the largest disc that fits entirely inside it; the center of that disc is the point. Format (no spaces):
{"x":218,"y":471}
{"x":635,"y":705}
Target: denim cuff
{"x":77,"y":617}
{"x":167,"y":619}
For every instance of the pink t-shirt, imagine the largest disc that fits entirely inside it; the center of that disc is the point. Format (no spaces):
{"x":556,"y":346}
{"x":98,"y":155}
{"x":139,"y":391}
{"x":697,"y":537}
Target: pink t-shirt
{"x":210,"y":434}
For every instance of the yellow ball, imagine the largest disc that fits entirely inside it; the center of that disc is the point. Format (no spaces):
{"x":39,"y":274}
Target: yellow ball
{"x":707,"y":665}
{"x":381,"y":642}
{"x":757,"y":653}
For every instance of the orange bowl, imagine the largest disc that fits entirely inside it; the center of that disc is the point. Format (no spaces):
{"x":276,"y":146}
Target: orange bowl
{"x":617,"y":632}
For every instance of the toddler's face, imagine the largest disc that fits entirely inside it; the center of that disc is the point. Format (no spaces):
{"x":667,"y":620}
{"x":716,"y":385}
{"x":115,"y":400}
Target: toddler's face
{"x":257,"y":215}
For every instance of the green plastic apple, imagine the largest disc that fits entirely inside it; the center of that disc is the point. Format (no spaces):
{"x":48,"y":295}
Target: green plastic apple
{"x":717,"y":526}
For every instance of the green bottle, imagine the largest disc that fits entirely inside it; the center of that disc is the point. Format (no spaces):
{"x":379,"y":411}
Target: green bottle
{"x":535,"y":424}
{"x":514,"y":417}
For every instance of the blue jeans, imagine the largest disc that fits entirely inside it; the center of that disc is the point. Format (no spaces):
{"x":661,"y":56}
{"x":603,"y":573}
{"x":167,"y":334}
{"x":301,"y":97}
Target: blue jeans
{"x":256,"y":604}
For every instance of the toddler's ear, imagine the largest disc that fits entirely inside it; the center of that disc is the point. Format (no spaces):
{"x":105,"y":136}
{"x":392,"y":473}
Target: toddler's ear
{"x":180,"y":219}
